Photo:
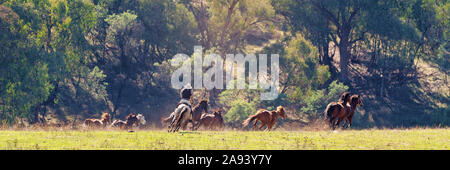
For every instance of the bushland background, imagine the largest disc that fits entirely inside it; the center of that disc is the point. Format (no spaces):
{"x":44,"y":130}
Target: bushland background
{"x":66,"y":60}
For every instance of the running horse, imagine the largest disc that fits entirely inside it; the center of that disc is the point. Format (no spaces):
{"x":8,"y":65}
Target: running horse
{"x":267,"y":118}
{"x":197,"y":112}
{"x":130,"y":120}
{"x":335,"y":112}
{"x":355,"y":100}
{"x":105,"y":119}
{"x":212,"y":121}
{"x":182,"y":114}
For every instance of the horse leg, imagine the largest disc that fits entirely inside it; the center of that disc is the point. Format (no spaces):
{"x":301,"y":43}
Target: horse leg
{"x":338,"y":122}
{"x":332,"y":123}
{"x":198,"y":125}
{"x":254,"y":125}
{"x":262,"y":125}
{"x":270,"y":127}
{"x":350,"y":121}
{"x":345,"y":123}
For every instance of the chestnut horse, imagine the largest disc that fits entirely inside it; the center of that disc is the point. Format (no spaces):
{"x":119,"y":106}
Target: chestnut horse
{"x":98,"y":123}
{"x":211,"y":121}
{"x":355,"y":100}
{"x":266,"y":117}
{"x":337,"y":111}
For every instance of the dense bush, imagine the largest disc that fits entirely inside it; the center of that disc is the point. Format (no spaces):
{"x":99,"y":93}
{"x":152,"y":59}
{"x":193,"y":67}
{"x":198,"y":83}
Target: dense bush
{"x":318,"y":100}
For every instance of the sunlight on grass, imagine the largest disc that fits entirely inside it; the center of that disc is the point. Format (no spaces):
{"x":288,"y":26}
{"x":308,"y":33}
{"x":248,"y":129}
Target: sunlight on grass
{"x":228,"y":140}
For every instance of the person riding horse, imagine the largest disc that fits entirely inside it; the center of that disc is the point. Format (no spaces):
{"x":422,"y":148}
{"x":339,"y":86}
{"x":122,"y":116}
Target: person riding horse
{"x":182,"y":114}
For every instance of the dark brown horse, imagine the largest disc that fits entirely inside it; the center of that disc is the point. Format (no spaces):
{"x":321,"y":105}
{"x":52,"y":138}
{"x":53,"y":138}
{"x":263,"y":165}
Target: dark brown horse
{"x":337,"y":111}
{"x":355,"y":100}
{"x":197,"y":111}
{"x":98,"y":123}
{"x":267,"y":118}
{"x":130,"y":120}
{"x":211,"y":121}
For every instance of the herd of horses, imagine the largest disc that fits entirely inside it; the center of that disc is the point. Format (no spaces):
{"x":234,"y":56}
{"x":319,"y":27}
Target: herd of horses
{"x":334,"y":114}
{"x":130,"y":121}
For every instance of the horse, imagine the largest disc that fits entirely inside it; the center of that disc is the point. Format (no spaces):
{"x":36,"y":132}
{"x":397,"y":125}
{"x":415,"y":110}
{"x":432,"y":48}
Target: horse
{"x":130,"y":120}
{"x":180,"y":117}
{"x":197,"y":112}
{"x":355,"y":100}
{"x":337,"y":110}
{"x":141,"y":120}
{"x":210,"y":121}
{"x":105,"y":119}
{"x":266,"y":117}
{"x":201,"y":107}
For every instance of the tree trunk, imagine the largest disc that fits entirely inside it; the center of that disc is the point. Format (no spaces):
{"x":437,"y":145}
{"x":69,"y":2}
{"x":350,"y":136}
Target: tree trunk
{"x":326,"y":60}
{"x":344,"y":54}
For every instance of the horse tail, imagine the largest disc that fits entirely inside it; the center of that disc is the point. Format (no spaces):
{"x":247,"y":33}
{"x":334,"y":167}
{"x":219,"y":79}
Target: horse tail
{"x":166,"y":120}
{"x":328,"y":111}
{"x":249,"y":119}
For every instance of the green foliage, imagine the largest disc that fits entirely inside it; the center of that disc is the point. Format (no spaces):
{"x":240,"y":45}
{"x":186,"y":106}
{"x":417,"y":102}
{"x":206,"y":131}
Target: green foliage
{"x":120,"y":24}
{"x":318,"y":99}
{"x":111,"y":55}
{"x":303,"y":73}
{"x":239,"y":111}
{"x":239,"y":104}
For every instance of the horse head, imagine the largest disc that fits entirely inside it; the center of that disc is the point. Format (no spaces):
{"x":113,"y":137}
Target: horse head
{"x":281,"y":112}
{"x":356,"y":100}
{"x":106,"y":118}
{"x":141,"y":119}
{"x":204,"y":105}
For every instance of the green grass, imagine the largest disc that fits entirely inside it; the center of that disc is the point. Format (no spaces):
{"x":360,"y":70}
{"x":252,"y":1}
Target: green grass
{"x":277,"y":140}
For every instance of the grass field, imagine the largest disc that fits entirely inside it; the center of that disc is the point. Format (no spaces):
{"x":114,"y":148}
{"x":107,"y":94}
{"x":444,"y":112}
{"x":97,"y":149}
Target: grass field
{"x":228,"y":140}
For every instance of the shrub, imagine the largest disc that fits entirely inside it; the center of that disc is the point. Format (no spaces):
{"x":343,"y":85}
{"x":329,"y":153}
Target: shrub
{"x":317,"y":100}
{"x":239,"y":111}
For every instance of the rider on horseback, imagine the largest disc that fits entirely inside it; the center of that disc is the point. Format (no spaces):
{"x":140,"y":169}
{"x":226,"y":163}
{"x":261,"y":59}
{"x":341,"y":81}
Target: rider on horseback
{"x":182,"y":113}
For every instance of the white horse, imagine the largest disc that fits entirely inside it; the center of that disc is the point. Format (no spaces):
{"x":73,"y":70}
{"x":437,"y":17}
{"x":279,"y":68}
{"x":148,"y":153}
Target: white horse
{"x":181,"y":116}
{"x":141,"y":120}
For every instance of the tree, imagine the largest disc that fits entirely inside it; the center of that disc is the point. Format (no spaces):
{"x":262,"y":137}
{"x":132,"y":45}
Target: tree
{"x":133,"y":43}
{"x":346,"y":22}
{"x":224,"y":25}
{"x":54,"y":38}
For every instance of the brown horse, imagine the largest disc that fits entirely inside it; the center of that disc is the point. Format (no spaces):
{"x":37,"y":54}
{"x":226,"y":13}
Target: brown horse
{"x":266,"y":117}
{"x":211,"y":121}
{"x":337,"y":111}
{"x":355,"y":100}
{"x":98,"y":123}
{"x":130,"y":120}
{"x":197,"y":111}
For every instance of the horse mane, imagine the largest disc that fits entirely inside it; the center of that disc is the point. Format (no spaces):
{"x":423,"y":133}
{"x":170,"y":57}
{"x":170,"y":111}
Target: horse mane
{"x":200,"y":102}
{"x":130,"y":116}
{"x":345,"y":97}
